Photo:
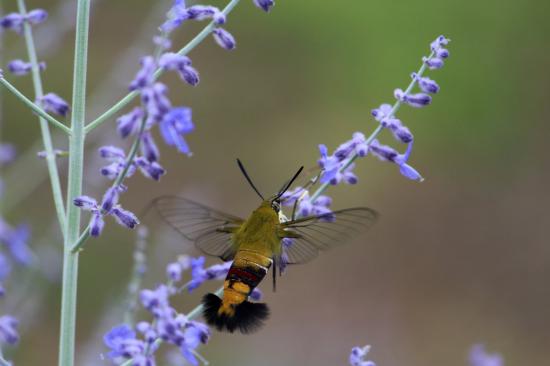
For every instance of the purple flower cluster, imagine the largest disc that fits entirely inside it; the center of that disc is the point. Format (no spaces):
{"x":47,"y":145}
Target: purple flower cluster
{"x":51,"y":102}
{"x":358,"y":355}
{"x":168,"y":325}
{"x":480,"y":357}
{"x":109,"y":207}
{"x":337,"y":167}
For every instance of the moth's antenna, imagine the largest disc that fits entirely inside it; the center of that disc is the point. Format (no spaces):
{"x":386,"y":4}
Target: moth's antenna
{"x":241,"y":166}
{"x":287,"y":185}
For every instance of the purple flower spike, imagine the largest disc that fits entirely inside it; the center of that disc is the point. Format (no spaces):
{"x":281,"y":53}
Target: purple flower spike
{"x":20,"y":67}
{"x":174,"y":126}
{"x":224,"y":38}
{"x":418,"y":100}
{"x":13,"y":21}
{"x":129,"y":123}
{"x":426,"y":84}
{"x":37,"y":16}
{"x":265,"y":5}
{"x":145,"y":76}
{"x":8,"y":330}
{"x":53,"y":103}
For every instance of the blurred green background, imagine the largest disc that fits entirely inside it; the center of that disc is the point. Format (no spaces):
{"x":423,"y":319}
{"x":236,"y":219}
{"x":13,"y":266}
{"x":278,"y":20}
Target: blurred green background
{"x":461,"y":258}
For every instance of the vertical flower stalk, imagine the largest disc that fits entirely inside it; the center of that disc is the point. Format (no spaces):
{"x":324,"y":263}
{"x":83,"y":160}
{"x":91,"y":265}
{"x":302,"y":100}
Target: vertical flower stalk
{"x":74,"y":187}
{"x":45,"y":130}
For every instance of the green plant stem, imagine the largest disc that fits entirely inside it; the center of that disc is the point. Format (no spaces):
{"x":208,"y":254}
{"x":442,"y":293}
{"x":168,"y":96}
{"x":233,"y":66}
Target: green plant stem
{"x":35,"y":107}
{"x":191,"y":315}
{"x":323,"y":187}
{"x":74,"y":187}
{"x":184,"y":51}
{"x":46,"y":136}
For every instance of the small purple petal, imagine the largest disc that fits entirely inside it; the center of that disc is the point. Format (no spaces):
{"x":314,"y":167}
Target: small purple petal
{"x":110,"y":199}
{"x":8,"y":330}
{"x":129,"y":123}
{"x":426,"y":84}
{"x":145,"y":76}
{"x":173,"y":271}
{"x":125,"y":218}
{"x":96,"y":224}
{"x":148,"y":147}
{"x":13,"y":21}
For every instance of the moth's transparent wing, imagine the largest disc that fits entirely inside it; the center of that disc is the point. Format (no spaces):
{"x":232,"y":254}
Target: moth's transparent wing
{"x":211,"y":230}
{"x":308,"y":235}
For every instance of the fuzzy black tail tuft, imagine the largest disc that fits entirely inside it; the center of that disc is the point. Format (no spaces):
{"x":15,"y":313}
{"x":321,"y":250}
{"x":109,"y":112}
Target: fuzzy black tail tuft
{"x":247,"y":316}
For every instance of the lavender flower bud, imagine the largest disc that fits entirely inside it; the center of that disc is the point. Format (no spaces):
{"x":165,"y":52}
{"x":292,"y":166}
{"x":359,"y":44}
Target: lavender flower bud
{"x":96,"y":224}
{"x":111,"y":152}
{"x":442,"y":53}
{"x":426,"y":84}
{"x":190,"y":75}
{"x":224,"y":38}
{"x":12,"y":21}
{"x":129,"y":123}
{"x":414,"y":100}
{"x":125,"y":218}
{"x":439,"y":42}
{"x":7,"y":153}
{"x":151,"y":169}
{"x":433,"y":63}
{"x":155,"y":100}
{"x":20,"y":67}
{"x":85,"y":203}
{"x":381,"y":112}
{"x":110,"y":199}
{"x":37,"y":16}
{"x":265,"y":5}
{"x":8,"y":330}
{"x":173,"y":271}
{"x":202,"y":12}
{"x":148,"y":147}
{"x":112,"y":170}
{"x":53,"y":103}
{"x":145,"y":76}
